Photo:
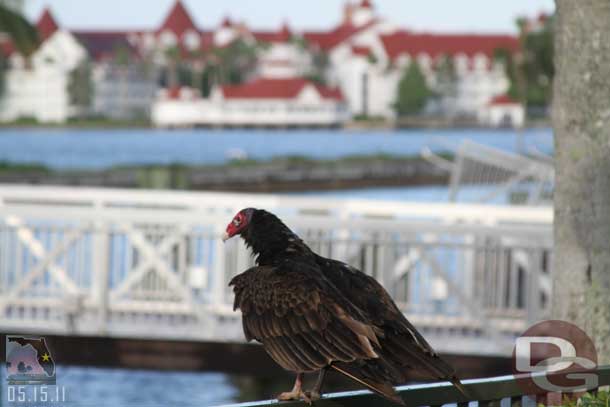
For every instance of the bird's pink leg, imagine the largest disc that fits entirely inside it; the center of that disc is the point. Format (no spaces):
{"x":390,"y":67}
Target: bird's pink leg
{"x":297,"y":391}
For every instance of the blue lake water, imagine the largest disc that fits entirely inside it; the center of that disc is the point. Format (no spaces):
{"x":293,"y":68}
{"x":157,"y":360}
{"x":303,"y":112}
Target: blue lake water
{"x":426,"y":193}
{"x":78,"y":148}
{"x":102,"y":387}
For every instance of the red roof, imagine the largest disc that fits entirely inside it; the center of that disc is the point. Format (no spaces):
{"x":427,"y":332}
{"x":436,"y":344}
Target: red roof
{"x":503,"y":100}
{"x":362,"y":51}
{"x":173,"y":92}
{"x":6,"y":48}
{"x":329,"y":93}
{"x":276,"y":89}
{"x":328,"y":40}
{"x":366,"y":4}
{"x":436,"y":45}
{"x":178,"y":20}
{"x":104,"y":44}
{"x":181,"y":93}
{"x":226,"y":22}
{"x":283,"y":35}
{"x":46,"y":25}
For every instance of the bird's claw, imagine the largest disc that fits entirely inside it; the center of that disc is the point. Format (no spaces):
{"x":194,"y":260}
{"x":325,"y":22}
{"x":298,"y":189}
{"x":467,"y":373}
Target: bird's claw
{"x":296,"y":395}
{"x":313,"y":395}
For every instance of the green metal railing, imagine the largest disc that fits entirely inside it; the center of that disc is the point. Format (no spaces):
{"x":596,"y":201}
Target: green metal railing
{"x":487,"y":392}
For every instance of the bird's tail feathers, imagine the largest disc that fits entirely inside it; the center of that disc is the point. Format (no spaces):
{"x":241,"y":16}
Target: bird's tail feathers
{"x":383,"y":389}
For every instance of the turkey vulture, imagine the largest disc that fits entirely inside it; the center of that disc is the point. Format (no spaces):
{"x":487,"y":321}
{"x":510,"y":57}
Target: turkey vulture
{"x":313,"y":314}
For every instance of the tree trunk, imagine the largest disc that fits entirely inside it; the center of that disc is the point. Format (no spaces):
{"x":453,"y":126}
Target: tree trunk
{"x":581,"y":118}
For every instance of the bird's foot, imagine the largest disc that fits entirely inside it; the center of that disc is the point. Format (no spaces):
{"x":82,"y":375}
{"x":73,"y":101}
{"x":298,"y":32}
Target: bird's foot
{"x":295,"y":395}
{"x":313,"y":395}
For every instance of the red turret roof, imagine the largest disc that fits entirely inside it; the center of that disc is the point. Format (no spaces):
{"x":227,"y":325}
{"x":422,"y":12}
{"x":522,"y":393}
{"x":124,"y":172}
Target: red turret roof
{"x":503,"y":100}
{"x":436,"y":45}
{"x":226,"y":22}
{"x":366,"y":4}
{"x":327,"y":40}
{"x":276,"y":89}
{"x":46,"y":25}
{"x":178,"y":20}
{"x":286,"y":31}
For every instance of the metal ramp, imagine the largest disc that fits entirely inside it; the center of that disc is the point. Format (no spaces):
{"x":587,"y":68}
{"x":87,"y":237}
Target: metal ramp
{"x":485,"y":174}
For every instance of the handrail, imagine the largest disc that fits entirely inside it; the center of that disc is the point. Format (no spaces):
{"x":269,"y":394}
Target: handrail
{"x":13,"y":197}
{"x":432,"y":394}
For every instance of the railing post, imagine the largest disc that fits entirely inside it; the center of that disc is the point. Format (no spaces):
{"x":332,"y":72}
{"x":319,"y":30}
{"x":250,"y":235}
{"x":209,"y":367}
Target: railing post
{"x":218,"y":274}
{"x":533,"y":289}
{"x":100,"y":264}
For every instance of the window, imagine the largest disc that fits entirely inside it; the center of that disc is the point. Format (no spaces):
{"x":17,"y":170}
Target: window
{"x":168,"y":39}
{"x":191,"y":40}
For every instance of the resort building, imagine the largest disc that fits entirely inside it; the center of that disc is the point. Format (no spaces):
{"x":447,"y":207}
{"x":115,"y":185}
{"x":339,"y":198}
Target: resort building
{"x":369,"y":56}
{"x":38,"y":87}
{"x":503,"y":111}
{"x":293,"y":102}
{"x":75,"y":74}
{"x":363,"y":59}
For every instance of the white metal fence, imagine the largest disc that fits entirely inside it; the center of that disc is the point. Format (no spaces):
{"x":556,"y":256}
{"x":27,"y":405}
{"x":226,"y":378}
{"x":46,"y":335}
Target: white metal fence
{"x":150,"y":264}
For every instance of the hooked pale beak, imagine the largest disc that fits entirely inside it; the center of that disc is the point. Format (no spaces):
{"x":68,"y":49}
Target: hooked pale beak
{"x":225,"y":237}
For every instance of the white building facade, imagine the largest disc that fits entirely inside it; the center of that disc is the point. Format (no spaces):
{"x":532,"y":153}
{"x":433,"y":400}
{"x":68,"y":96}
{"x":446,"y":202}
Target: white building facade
{"x":261,"y":103}
{"x":364,"y":57}
{"x":368,"y":57}
{"x":38,"y":87}
{"x":503,"y":111}
{"x":122,"y":92}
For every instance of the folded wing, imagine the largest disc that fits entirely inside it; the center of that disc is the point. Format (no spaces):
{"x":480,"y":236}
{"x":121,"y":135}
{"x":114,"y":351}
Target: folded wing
{"x":402,"y":346}
{"x":301,"y":326}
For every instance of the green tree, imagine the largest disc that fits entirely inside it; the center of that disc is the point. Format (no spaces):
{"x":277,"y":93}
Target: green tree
{"x":207,"y":81}
{"x":446,"y":77}
{"x":122,"y":56}
{"x":80,"y":86}
{"x":320,"y":64}
{"x":229,"y":65}
{"x":413,"y":92}
{"x":3,"y":69}
{"x":173,"y":58}
{"x":506,"y":58}
{"x":236,"y":61}
{"x":21,"y":32}
{"x":23,"y":35}
{"x":537,"y":65}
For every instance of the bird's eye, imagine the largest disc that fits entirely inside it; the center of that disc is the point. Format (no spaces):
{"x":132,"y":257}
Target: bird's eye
{"x":236,"y":222}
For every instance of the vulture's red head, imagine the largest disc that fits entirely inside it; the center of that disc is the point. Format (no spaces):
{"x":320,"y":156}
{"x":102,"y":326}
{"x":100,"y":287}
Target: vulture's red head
{"x":239,"y":224}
